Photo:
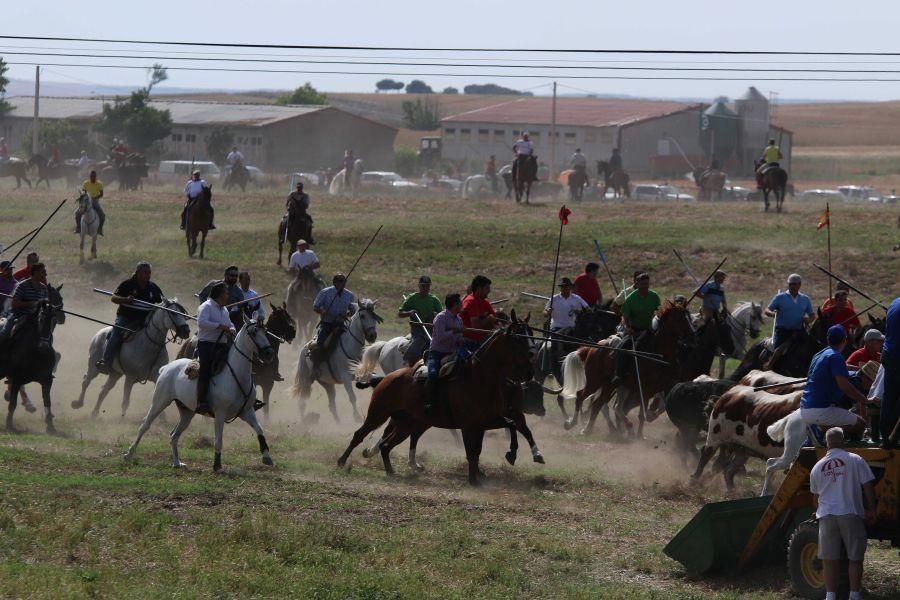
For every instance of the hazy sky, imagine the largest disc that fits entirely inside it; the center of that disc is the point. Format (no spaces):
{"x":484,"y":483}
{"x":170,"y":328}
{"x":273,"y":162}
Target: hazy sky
{"x":799,"y":25}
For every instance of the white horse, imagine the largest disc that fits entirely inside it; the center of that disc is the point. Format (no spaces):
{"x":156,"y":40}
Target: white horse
{"x":339,"y":367}
{"x":141,"y":356}
{"x":792,"y":429}
{"x":339,"y":184}
{"x":90,"y":223}
{"x":231,"y":392}
{"x":748,"y":318}
{"x":473,"y":186}
{"x":387,"y":355}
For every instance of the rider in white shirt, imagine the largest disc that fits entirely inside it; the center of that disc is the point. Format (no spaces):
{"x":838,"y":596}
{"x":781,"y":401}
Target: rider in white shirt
{"x":523,"y":146}
{"x":303,"y":258}
{"x":234,"y":157}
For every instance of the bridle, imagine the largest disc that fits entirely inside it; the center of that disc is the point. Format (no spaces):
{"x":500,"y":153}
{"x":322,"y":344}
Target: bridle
{"x":247,"y":394}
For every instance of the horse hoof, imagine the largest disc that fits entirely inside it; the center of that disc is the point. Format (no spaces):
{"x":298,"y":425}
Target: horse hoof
{"x":76,"y":404}
{"x":366,"y":454}
{"x":568,"y":424}
{"x":585,"y":432}
{"x":180,"y":465}
{"x":95,"y":413}
{"x":511,"y":458}
{"x":267,"y":460}
{"x":539,"y":458}
{"x":30,"y":408}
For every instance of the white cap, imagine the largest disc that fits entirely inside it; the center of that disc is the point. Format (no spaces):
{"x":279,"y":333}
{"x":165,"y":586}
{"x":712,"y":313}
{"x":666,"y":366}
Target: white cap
{"x":794,"y":278}
{"x":873,"y":334}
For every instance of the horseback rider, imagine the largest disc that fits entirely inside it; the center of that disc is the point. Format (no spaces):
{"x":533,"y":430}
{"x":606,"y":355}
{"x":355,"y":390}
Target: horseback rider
{"x":347,"y":165}
{"x":94,"y":188}
{"x":615,"y":164}
{"x":333,"y":304}
{"x":587,"y":286}
{"x":873,"y":343}
{"x":840,"y":311}
{"x":7,"y":284}
{"x":446,"y":339}
{"x":490,"y":171}
{"x":4,"y":151}
{"x":420,"y":307}
{"x":192,"y":190}
{"x":713,"y":295}
{"x":638,"y":310}
{"x":792,"y":311}
{"x":578,"y":162}
{"x":28,"y":295}
{"x":83,"y":164}
{"x":304,"y":261}
{"x":619,"y":300}
{"x":298,"y":200}
{"x":25,"y":272}
{"x":561,"y":309}
{"x":55,"y":158}
{"x":770,"y":157}
{"x":235,"y":158}
{"x":213,"y":324}
{"x":524,"y":153}
{"x":235,"y":294}
{"x":130,"y":314}
{"x":828,"y":380}
{"x":477,"y":311}
{"x":249,"y":294}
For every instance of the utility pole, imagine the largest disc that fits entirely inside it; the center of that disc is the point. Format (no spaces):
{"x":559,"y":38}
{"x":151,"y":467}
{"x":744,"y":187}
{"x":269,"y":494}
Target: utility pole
{"x":553,"y":136}
{"x":37,"y":95}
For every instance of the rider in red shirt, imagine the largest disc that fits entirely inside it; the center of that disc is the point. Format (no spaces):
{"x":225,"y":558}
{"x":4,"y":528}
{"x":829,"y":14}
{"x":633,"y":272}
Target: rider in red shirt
{"x":477,"y":311}
{"x":586,"y":285}
{"x":840,"y":311}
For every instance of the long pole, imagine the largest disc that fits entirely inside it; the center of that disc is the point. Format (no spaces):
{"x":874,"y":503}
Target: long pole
{"x":12,"y":244}
{"x":857,"y":290}
{"x":358,"y":258}
{"x":75,"y":314}
{"x":705,"y":281}
{"x":36,"y":122}
{"x":37,"y":231}
{"x":828,"y":225}
{"x":149,"y":305}
{"x":637,"y":372}
{"x":606,"y":266}
{"x":556,"y":263}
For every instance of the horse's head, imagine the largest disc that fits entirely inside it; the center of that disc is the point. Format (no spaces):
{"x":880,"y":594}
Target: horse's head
{"x":37,"y":160}
{"x":45,"y":317}
{"x":675,"y":323}
{"x":756,"y":320}
{"x":281,"y":323}
{"x":253,"y":340}
{"x":84,"y":200}
{"x":56,"y":299}
{"x":511,"y":348}
{"x":177,"y":322}
{"x":206,"y":193}
{"x":368,"y":319}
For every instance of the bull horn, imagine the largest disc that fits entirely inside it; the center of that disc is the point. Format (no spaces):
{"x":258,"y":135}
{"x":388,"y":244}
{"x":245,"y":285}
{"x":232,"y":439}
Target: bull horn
{"x":552,"y":391}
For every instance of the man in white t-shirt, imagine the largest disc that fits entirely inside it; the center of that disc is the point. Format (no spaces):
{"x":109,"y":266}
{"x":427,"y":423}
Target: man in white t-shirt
{"x":562,"y":309}
{"x":303,"y":260}
{"x":840,"y":481}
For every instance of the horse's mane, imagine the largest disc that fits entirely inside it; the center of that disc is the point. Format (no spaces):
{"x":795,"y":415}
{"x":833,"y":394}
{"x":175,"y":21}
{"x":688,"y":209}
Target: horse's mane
{"x":667,"y":307}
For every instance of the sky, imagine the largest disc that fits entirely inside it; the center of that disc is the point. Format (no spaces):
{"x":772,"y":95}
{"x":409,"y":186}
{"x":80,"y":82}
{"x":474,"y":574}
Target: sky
{"x":794,"y":25}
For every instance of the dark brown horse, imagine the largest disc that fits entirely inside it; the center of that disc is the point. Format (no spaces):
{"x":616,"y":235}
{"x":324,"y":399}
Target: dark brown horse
{"x":577,"y":180}
{"x":296,"y":225}
{"x":199,"y":216}
{"x":772,"y":180}
{"x":710,"y":181}
{"x":475,"y":400}
{"x":15,"y":167}
{"x":616,"y":179}
{"x":281,"y":324}
{"x":46,"y":171}
{"x":524,"y":173}
{"x":237,"y":175}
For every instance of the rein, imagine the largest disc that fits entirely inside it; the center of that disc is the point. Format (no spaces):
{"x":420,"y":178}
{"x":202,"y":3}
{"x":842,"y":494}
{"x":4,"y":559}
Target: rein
{"x":234,"y":376}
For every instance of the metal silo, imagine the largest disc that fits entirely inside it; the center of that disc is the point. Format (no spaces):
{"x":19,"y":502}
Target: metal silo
{"x":719,"y":127}
{"x":753,"y":110}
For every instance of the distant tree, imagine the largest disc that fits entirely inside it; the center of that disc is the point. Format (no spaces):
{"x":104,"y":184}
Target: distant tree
{"x":305,"y":94}
{"x":136,"y":120}
{"x":218,"y":143}
{"x":422,"y":116}
{"x":157,"y":74}
{"x":70,"y":138}
{"x":5,"y":106}
{"x":450,"y":90}
{"x":405,"y":161}
{"x":386,"y":85}
{"x":493,"y":88}
{"x":417,"y":86}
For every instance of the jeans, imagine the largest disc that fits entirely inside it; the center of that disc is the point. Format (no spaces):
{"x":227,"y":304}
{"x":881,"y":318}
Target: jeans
{"x":434,"y":364}
{"x":114,"y":341}
{"x":325,"y":330}
{"x":890,"y":404}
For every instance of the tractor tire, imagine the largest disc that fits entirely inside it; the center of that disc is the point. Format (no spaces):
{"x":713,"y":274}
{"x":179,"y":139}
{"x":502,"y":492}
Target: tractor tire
{"x":806,"y":570}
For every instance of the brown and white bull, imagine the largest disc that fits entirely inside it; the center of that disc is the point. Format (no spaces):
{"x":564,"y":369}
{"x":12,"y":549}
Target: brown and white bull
{"x":739,"y":421}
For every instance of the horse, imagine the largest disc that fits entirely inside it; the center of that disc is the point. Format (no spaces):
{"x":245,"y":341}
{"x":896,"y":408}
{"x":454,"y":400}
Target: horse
{"x":747,"y":318}
{"x":387,"y":354}
{"x":231,"y":393}
{"x":299,"y":297}
{"x":710,"y":181}
{"x":293,"y":227}
{"x":523,"y":176}
{"x":588,"y":373}
{"x":339,"y":366}
{"x":129,"y":173}
{"x":617,"y":179}
{"x":90,"y":224}
{"x":576,"y":180}
{"x":29,"y":356}
{"x":772,"y":180}
{"x":141,"y":357}
{"x":198,"y":218}
{"x":46,"y":171}
{"x":15,"y":167}
{"x":792,"y":358}
{"x":475,"y":400}
{"x":282,"y":325}
{"x":237,"y":175}
{"x":475,"y":186}
{"x":341,"y":184}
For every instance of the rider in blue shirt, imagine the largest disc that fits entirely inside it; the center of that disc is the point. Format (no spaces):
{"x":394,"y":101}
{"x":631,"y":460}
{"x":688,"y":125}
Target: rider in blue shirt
{"x":791,"y":309}
{"x":890,"y":359}
{"x":828,"y":380}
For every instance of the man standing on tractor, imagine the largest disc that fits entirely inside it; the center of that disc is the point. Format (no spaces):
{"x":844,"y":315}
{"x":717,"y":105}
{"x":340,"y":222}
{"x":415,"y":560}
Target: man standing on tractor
{"x":845,"y":501}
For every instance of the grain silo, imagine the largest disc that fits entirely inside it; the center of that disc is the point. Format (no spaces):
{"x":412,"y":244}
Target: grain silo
{"x":753,"y":110}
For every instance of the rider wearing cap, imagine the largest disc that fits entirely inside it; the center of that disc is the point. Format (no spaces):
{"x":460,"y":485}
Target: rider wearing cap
{"x":303,"y":260}
{"x":840,"y":311}
{"x":828,"y":381}
{"x":420,"y":307}
{"x":791,"y":309}
{"x":192,"y":190}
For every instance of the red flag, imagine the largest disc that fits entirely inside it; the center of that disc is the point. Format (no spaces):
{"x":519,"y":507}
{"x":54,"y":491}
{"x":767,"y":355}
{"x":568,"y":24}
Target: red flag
{"x":824,"y":220}
{"x":564,"y":215}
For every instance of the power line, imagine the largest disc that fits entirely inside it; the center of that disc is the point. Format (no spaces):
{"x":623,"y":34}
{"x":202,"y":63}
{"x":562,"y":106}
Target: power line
{"x":421,"y":49}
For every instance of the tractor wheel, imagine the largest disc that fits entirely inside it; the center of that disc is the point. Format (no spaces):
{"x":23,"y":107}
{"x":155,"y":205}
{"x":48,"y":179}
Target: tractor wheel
{"x":807,"y":572}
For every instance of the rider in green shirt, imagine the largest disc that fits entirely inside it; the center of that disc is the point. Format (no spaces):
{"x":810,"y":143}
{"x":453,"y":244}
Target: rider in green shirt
{"x":637,"y":317}
{"x":425,"y":306}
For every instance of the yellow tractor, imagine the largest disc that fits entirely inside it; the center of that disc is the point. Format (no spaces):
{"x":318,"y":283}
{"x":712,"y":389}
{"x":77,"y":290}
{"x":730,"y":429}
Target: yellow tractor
{"x":734,"y":535}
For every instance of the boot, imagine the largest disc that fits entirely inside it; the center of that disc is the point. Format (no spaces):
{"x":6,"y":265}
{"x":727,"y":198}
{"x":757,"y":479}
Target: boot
{"x":431,"y":397}
{"x":203,"y":407}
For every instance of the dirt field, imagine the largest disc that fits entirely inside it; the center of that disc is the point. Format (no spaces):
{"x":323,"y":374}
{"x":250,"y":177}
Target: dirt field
{"x":77,"y":521}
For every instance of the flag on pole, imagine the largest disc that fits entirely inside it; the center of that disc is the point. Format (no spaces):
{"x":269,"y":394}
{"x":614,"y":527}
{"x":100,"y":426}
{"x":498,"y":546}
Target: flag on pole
{"x":824,"y":220}
{"x":564,"y":215}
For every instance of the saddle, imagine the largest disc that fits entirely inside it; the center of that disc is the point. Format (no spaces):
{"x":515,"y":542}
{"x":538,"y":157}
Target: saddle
{"x":192,"y":369}
{"x":448,"y":369}
{"x":319,"y":352}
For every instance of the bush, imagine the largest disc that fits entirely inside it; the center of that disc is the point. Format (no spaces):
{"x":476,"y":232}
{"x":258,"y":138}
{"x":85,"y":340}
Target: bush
{"x":417,"y":86}
{"x":218,"y":144}
{"x":450,"y":90}
{"x":132,"y":118}
{"x":493,"y":88}
{"x":405,"y":161}
{"x":5,"y":106}
{"x":422,"y":116}
{"x":305,"y":94}
{"x":386,"y":85}
{"x":70,"y":138}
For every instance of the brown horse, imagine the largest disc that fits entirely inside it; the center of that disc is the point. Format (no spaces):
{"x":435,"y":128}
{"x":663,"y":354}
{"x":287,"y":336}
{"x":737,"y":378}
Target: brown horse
{"x":301,"y":292}
{"x":198,"y":219}
{"x":15,"y":167}
{"x":296,"y":225}
{"x":616,"y":179}
{"x":524,"y":173}
{"x":46,"y":171}
{"x":473,"y":401}
{"x":773,"y":180}
{"x":710,"y":181}
{"x":596,"y":368}
{"x":576,"y":181}
{"x":281,"y":324}
{"x":237,"y":175}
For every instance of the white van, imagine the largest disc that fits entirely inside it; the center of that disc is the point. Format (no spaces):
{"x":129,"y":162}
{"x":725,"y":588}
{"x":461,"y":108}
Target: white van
{"x":183,"y":168}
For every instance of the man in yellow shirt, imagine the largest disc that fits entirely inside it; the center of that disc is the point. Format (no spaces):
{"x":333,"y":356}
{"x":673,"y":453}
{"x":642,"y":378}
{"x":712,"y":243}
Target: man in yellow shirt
{"x":770,"y":156}
{"x":94,"y":188}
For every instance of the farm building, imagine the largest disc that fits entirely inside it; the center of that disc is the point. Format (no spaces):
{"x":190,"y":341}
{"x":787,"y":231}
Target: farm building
{"x":656,"y":138}
{"x":271,"y":137}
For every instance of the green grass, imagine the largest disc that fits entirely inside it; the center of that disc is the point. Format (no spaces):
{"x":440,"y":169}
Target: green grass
{"x":77,"y":521}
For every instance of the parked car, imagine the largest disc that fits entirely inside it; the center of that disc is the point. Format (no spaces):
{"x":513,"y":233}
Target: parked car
{"x":653,"y":191}
{"x":818,"y":195}
{"x":736,"y":192}
{"x":445,"y":184}
{"x":892,"y":199}
{"x":208,"y":170}
{"x":857,"y":193}
{"x":386,"y":180}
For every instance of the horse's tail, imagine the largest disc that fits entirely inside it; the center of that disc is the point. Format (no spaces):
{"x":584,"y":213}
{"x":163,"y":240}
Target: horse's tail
{"x":303,"y":380}
{"x":776,"y":429}
{"x":574,"y":377}
{"x":369,"y":361}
